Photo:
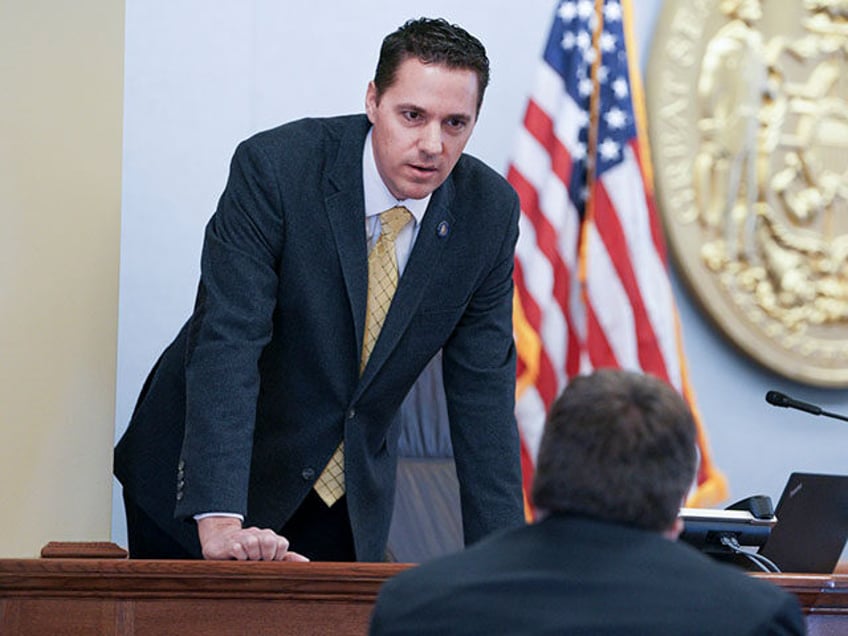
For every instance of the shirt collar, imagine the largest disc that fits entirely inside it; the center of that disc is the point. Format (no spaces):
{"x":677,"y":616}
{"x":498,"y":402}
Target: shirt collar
{"x":377,"y":196}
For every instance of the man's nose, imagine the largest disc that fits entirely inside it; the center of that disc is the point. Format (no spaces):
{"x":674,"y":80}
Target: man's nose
{"x":431,"y":139}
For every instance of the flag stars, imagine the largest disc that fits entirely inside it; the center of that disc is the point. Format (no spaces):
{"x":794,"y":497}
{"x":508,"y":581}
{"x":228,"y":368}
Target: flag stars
{"x":578,"y":153}
{"x":608,"y":42}
{"x":585,"y":9}
{"x":608,"y":149}
{"x":567,"y":11}
{"x":593,"y":62}
{"x":612,"y":11}
{"x":615,"y":118}
{"x":620,"y":88}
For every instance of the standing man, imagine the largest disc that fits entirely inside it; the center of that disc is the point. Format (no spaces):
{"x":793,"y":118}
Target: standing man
{"x":617,"y":459}
{"x":343,"y":255}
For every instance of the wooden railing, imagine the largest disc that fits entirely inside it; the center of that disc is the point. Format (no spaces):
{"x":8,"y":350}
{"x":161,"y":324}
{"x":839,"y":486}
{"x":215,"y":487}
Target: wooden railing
{"x":88,"y":594}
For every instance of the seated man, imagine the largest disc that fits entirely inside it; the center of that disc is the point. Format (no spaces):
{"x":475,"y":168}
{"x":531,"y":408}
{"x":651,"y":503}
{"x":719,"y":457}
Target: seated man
{"x":616,"y":461}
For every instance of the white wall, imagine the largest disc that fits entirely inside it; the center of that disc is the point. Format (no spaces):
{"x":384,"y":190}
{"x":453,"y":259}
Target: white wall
{"x":201,"y":76}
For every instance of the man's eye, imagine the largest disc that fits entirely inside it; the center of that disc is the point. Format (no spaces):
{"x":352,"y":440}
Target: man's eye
{"x":412,"y":115}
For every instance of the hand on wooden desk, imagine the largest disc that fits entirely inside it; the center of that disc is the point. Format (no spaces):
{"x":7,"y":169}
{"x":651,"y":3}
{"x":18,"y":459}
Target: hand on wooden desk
{"x":223,"y":538}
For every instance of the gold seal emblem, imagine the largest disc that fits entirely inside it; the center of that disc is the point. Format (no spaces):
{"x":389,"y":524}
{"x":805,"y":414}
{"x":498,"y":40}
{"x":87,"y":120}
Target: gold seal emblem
{"x":748,"y":121}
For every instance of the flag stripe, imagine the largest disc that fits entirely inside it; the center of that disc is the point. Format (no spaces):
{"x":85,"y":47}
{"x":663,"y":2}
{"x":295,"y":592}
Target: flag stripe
{"x":541,"y":127}
{"x":605,"y":291}
{"x":624,"y":186}
{"x":556,"y":321}
{"x":546,"y":377}
{"x":611,"y":233}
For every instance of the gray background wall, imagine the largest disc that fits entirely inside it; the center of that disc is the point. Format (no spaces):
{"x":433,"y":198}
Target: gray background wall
{"x":201,"y":76}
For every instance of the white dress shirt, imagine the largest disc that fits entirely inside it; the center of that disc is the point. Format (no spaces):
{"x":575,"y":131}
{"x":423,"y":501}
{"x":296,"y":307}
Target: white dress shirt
{"x":378,"y":199}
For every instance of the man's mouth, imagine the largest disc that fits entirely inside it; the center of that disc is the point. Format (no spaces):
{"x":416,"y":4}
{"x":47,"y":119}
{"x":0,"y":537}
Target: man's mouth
{"x":424,"y":169}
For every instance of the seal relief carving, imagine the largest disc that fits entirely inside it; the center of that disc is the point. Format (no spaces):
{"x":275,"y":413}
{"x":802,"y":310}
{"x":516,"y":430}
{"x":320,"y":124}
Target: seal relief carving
{"x":748,"y":122}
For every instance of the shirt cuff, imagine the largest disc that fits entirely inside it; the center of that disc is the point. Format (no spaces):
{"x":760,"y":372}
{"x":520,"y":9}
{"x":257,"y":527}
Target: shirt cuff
{"x":233,"y":515}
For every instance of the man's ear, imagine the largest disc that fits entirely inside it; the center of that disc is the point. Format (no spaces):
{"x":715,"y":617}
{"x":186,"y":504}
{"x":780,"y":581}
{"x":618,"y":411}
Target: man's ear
{"x":674,"y":531}
{"x":677,"y":527}
{"x":371,"y":101}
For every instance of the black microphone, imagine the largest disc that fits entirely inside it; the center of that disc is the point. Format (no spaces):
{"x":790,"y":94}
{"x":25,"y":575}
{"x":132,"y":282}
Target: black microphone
{"x":776,"y":398}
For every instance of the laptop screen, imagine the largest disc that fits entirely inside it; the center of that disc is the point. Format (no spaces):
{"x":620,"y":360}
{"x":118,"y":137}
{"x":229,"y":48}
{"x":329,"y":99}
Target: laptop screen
{"x":812,"y":524}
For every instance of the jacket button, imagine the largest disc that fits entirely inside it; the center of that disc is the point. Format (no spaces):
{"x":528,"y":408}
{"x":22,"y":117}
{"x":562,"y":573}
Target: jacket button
{"x":308,"y":474}
{"x":351,"y":414}
{"x":180,"y":496}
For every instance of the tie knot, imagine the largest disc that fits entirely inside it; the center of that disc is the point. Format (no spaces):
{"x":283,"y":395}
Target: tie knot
{"x":393,"y":220}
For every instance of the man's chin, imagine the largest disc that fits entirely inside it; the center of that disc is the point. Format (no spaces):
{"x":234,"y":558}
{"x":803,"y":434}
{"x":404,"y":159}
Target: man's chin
{"x":421,"y":188}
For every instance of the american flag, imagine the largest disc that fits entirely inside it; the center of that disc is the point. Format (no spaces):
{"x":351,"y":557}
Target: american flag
{"x":592,"y":284}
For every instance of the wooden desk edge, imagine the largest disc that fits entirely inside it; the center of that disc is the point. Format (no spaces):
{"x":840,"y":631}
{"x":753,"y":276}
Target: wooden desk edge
{"x":102,"y":569}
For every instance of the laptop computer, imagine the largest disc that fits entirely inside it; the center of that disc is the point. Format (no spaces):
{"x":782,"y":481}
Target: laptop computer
{"x":812,"y":524}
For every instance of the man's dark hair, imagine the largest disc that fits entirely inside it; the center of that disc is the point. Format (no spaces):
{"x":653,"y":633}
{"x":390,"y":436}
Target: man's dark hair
{"x":433,"y":41}
{"x":617,"y":446}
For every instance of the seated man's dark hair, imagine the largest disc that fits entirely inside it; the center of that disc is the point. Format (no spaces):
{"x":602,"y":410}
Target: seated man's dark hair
{"x":618,"y":446}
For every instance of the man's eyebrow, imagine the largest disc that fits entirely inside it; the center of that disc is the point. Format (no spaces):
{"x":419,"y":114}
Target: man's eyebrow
{"x":464,"y":117}
{"x":410,"y":106}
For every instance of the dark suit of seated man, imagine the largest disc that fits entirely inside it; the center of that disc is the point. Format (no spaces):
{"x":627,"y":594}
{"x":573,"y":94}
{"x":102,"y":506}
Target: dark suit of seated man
{"x":616,"y":460}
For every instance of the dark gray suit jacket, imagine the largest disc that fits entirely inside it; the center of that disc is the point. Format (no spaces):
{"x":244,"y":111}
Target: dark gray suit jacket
{"x":244,"y":409}
{"x":571,"y":575}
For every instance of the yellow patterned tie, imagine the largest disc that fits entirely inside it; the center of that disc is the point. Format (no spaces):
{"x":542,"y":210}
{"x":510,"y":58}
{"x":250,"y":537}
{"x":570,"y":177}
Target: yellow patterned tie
{"x":382,"y":283}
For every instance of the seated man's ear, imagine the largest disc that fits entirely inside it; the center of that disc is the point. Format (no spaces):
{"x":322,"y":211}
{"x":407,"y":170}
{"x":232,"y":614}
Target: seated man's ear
{"x":677,"y":527}
{"x":674,"y":531}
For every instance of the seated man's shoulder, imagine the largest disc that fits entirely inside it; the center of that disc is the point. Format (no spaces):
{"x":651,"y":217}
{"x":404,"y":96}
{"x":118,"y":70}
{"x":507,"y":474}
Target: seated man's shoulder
{"x":718,"y":587}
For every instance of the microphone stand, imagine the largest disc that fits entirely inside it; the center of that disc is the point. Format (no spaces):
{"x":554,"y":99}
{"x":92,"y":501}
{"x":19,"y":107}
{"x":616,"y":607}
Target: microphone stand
{"x":835,"y":415}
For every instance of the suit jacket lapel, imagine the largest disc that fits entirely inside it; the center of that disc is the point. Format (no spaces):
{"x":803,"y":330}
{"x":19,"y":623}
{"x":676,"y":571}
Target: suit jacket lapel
{"x":344,"y":201}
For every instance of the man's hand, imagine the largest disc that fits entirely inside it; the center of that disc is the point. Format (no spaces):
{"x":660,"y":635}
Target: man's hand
{"x":223,"y":538}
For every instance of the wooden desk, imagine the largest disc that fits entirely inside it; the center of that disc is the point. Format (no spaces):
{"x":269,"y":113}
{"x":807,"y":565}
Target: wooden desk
{"x":87,"y":596}
{"x":823,"y":597}
{"x":122,"y":597}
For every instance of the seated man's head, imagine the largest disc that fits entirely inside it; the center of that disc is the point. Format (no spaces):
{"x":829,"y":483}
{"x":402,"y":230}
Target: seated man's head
{"x":618,"y":446}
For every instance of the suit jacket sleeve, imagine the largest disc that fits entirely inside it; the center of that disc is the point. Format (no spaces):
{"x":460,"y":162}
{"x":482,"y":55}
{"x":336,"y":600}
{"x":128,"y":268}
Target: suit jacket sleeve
{"x":231,"y":324}
{"x":479,"y":378}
